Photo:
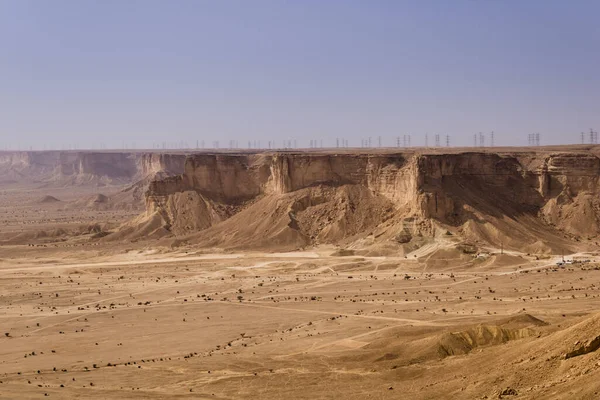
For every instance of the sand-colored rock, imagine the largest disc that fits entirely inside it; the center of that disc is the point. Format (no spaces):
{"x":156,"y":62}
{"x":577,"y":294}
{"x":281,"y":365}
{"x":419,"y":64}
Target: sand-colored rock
{"x":500,"y":199}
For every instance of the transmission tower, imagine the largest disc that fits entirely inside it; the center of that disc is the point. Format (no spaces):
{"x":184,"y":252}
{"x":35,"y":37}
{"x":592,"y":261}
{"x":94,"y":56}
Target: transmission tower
{"x":593,"y":137}
{"x":475,"y":140}
{"x":426,"y":140}
{"x":447,"y":140}
{"x":481,"y":140}
{"x":582,"y":138}
{"x":492,"y":139}
{"x":537,"y":139}
{"x":437,"y":140}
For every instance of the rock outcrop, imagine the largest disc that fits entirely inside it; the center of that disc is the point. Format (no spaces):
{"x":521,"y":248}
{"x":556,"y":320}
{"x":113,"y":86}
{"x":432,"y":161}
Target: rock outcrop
{"x":534,"y":201}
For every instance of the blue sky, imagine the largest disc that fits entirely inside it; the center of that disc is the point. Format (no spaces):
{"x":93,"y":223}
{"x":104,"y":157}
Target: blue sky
{"x":91,"y":73}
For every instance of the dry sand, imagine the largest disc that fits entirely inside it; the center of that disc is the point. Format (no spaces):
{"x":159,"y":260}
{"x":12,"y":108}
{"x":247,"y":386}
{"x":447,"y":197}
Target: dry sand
{"x":85,"y":318}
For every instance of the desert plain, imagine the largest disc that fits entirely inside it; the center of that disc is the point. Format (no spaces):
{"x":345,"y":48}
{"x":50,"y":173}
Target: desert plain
{"x":323,"y":275}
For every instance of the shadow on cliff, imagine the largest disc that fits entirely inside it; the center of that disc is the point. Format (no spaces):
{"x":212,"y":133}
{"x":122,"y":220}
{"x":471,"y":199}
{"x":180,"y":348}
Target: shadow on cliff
{"x":499,"y":216}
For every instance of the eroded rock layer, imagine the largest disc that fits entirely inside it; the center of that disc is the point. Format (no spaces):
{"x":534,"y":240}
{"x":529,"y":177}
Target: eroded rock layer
{"x":535,"y":201}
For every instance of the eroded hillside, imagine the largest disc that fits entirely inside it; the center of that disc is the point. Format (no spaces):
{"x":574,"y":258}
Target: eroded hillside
{"x":536,"y":201}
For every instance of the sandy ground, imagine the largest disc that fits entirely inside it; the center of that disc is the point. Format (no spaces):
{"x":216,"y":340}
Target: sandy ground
{"x":225,"y":326}
{"x":90,"y":320}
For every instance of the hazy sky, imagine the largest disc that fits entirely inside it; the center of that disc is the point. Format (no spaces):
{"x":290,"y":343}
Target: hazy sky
{"x":91,"y":72}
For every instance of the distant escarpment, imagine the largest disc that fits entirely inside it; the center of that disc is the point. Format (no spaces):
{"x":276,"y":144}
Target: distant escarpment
{"x":538,"y":202}
{"x":87,"y":167}
{"x":129,"y":173}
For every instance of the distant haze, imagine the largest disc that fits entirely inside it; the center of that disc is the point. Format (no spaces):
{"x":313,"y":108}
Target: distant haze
{"x":144,"y":73}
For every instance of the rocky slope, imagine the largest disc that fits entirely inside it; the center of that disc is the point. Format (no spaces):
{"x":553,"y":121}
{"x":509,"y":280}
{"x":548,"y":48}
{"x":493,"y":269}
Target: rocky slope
{"x":538,"y":201}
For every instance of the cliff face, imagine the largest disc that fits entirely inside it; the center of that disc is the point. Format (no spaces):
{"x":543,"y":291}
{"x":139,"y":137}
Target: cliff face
{"x":243,"y":177}
{"x":483,"y":196}
{"x":153,"y":164}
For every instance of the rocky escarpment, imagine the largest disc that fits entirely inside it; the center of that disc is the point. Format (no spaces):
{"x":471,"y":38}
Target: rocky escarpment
{"x":533,"y":201}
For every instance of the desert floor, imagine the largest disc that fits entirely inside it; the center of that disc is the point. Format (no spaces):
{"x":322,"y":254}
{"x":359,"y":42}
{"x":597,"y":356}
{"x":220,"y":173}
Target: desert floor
{"x":93,"y":320}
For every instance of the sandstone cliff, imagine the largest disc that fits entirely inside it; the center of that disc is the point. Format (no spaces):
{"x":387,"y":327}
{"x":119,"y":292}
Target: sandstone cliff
{"x":533,"y":201}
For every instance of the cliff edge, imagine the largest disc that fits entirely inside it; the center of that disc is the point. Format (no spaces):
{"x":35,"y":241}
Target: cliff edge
{"x":534,"y":201}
